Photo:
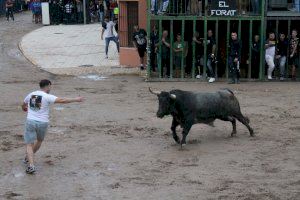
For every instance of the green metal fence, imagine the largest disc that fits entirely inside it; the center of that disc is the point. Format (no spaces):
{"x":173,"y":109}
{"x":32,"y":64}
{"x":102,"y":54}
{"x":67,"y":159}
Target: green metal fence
{"x":187,"y":23}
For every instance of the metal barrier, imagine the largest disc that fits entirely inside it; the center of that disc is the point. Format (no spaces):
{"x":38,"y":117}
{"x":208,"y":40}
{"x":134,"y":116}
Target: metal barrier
{"x":222,"y":17}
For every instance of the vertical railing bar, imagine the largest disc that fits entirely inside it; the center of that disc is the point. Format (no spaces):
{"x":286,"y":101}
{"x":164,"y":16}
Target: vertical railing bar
{"x":194,"y":49}
{"x":148,"y":40}
{"x":160,"y":68}
{"x":171,"y":48}
{"x":217,"y":40}
{"x":289,"y":37}
{"x":250,"y":49}
{"x":183,"y":46}
{"x":262,"y":41}
{"x":227,"y":46}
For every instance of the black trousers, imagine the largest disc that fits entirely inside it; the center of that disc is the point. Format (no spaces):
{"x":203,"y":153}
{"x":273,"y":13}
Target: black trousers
{"x":165,"y":63}
{"x":234,"y":72}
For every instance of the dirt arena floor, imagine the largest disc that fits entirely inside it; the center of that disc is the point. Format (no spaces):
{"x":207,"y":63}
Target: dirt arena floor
{"x":113,"y":147}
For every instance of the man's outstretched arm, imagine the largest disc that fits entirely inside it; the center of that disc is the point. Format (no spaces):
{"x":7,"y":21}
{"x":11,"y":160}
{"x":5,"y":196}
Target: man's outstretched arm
{"x":68,"y":100}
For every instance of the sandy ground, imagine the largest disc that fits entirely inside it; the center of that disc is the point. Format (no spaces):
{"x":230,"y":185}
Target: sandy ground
{"x":113,"y":147}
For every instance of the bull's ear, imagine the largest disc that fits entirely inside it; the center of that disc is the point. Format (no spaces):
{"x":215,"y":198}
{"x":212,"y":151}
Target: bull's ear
{"x":173,"y":96}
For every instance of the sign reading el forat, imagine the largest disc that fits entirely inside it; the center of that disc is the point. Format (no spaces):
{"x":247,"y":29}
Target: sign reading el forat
{"x":223,"y":8}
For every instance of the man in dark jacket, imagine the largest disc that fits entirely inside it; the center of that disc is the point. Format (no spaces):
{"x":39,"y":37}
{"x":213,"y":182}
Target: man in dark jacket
{"x":255,"y":56}
{"x":281,"y":54}
{"x":234,"y":58}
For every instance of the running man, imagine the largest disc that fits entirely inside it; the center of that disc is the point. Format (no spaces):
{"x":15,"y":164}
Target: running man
{"x":37,"y":104}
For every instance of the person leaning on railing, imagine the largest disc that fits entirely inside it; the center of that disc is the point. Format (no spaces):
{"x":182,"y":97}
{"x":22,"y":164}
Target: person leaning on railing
{"x":9,"y":9}
{"x":294,"y":52}
{"x":270,"y":53}
{"x":179,"y":47}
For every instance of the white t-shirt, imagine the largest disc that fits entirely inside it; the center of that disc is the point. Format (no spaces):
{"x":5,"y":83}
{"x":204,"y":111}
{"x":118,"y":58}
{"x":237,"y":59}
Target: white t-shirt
{"x":109,"y":32}
{"x":270,"y":51}
{"x":38,"y":105}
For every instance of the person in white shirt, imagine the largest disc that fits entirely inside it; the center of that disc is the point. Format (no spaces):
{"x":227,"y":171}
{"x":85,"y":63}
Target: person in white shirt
{"x":270,"y":47}
{"x":108,"y":29}
{"x":37,"y":104}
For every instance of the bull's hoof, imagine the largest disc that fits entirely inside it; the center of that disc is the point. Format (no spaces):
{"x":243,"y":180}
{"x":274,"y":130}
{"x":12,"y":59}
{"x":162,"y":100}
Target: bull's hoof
{"x":177,"y":140}
{"x":252,"y":134}
{"x":183,"y":143}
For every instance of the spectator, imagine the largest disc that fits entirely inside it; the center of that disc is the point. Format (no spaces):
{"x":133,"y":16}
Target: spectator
{"x":109,"y":36}
{"x":255,"y":7}
{"x":92,"y":10}
{"x":140,"y":43}
{"x":68,"y":11}
{"x":101,"y":11}
{"x":234,"y":58}
{"x":199,"y":52}
{"x":154,"y":42}
{"x":242,"y":6}
{"x":180,"y":53}
{"x":294,"y":53}
{"x":79,"y":7}
{"x":9,"y":10}
{"x":196,"y":7}
{"x":270,"y":54}
{"x":163,"y":7}
{"x":165,"y":53}
{"x":297,"y":5}
{"x":281,"y":54}
{"x":255,"y":56}
{"x":113,"y":4}
{"x":211,"y":50}
{"x":37,"y":11}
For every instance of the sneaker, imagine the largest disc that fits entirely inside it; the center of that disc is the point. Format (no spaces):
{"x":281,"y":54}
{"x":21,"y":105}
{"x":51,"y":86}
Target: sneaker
{"x":142,"y":67}
{"x":198,"y":76}
{"x":106,"y":57}
{"x":30,"y":169}
{"x":211,"y":80}
{"x":281,"y":79}
{"x":270,"y":78}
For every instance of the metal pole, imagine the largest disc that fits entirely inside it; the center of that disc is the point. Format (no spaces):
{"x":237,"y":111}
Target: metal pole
{"x":84,"y":11}
{"x":148,"y":40}
{"x":227,"y":46}
{"x":217,"y":40}
{"x":160,"y":68}
{"x":263,"y":22}
{"x":183,"y":48}
{"x":250,"y":49}
{"x":171,"y":48}
{"x":194,"y":49}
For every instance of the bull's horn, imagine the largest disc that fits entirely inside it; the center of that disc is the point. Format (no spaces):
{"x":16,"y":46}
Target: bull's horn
{"x":154,"y":92}
{"x":173,"y":96}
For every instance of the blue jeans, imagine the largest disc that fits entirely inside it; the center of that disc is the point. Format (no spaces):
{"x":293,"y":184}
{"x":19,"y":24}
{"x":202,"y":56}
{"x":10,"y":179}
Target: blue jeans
{"x":108,"y":39}
{"x":101,"y":16}
{"x":210,"y":69}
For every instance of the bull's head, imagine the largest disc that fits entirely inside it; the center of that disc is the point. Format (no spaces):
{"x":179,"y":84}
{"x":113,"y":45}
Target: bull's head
{"x":165,"y":101}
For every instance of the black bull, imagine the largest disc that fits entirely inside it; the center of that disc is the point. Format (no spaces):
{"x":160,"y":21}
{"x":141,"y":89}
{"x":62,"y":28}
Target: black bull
{"x":189,"y":108}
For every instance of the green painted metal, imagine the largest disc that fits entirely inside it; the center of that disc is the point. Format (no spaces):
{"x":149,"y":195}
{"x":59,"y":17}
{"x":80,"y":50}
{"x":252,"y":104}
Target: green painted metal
{"x":171,"y":48}
{"x":148,"y":76}
{"x":160,"y":69}
{"x":216,"y":53}
{"x":227,"y":46}
{"x":262,"y":41}
{"x":183,"y":51}
{"x":194,"y":49}
{"x":250,"y":49}
{"x":182,"y":17}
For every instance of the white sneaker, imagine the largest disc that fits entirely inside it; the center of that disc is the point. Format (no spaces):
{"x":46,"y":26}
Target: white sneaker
{"x":270,"y":77}
{"x":211,"y":80}
{"x":198,"y":76}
